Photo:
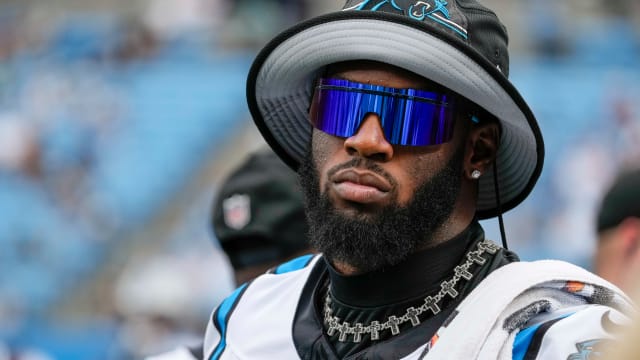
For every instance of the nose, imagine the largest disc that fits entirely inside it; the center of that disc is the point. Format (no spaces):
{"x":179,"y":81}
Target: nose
{"x":369,"y":141}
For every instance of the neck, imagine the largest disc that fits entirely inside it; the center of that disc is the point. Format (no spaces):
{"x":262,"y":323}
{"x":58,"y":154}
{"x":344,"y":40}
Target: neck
{"x":405,"y":280}
{"x":344,"y":268}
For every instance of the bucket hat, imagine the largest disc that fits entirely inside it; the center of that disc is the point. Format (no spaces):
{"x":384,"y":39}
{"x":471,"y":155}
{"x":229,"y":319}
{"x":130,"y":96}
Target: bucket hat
{"x":458,"y":44}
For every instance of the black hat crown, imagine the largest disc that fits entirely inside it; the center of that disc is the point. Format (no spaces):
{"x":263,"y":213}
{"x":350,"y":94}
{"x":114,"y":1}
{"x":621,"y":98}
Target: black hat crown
{"x":467,"y":20}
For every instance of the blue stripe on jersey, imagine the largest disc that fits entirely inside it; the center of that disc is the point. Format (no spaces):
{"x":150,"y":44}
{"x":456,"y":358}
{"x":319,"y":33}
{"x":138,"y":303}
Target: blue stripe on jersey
{"x":523,"y":339}
{"x":222,"y":318}
{"x":295,"y":264}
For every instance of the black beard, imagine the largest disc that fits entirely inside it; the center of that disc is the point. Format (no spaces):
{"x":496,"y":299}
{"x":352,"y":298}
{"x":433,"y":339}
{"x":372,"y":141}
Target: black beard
{"x":386,"y":238}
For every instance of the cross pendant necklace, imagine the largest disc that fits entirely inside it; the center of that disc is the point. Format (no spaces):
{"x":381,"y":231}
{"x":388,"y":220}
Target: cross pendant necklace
{"x":412,"y":314}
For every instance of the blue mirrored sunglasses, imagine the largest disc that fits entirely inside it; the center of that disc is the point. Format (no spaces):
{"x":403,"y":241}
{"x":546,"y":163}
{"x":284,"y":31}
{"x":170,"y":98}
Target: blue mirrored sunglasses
{"x":407,"y":116}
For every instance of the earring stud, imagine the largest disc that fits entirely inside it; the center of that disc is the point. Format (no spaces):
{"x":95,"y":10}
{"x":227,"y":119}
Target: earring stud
{"x":475,"y":174}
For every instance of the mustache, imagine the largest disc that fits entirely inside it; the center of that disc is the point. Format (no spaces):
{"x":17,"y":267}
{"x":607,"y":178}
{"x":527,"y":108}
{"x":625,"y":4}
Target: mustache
{"x":363,"y":163}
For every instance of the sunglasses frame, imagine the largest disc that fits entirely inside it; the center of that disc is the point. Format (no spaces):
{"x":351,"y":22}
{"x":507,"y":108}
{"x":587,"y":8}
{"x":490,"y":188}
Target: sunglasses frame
{"x":419,"y":117}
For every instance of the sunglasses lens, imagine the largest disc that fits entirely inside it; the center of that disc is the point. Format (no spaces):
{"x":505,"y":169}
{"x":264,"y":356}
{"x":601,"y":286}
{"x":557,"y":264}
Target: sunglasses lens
{"x":408,"y":116}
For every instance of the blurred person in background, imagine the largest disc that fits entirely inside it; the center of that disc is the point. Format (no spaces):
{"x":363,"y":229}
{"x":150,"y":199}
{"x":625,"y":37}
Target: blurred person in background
{"x":258,"y":219}
{"x":161,"y":300}
{"x":617,"y":256}
{"x":20,"y":150}
{"x":244,"y":29}
{"x":258,"y":216}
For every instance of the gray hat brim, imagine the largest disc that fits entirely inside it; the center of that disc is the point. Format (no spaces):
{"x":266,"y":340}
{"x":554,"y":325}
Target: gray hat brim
{"x":279,"y":89}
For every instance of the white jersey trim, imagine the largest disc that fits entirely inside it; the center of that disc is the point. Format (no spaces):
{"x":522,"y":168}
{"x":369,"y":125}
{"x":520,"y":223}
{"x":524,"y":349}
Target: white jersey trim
{"x":269,"y":302}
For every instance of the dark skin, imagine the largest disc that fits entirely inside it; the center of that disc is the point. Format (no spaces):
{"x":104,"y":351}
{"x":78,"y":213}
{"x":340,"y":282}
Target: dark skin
{"x":358,"y":192}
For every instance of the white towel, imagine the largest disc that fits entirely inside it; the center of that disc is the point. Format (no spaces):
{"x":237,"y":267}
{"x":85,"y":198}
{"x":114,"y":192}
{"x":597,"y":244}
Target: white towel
{"x":478,"y":330}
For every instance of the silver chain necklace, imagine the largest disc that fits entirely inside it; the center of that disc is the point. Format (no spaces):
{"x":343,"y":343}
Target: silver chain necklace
{"x":431,"y":303}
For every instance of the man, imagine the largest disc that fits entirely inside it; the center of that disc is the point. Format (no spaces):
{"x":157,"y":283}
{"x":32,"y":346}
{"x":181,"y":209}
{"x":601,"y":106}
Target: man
{"x":405,"y":131}
{"x":258,"y":219}
{"x":617,"y":256}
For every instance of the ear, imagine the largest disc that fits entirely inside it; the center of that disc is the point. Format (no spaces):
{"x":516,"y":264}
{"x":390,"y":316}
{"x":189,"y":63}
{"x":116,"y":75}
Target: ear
{"x":630,"y":234}
{"x":482,"y":147}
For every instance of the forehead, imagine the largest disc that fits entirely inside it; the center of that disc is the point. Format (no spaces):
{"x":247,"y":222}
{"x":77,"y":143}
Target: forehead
{"x":377,"y":73}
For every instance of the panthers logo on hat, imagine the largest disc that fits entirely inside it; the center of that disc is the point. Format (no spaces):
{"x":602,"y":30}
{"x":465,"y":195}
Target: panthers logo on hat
{"x":236,"y":211}
{"x":435,"y":10}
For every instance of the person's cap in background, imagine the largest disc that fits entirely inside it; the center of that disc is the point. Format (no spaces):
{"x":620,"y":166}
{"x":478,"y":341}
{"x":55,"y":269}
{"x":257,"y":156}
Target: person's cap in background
{"x":621,"y":201}
{"x":258,"y":215}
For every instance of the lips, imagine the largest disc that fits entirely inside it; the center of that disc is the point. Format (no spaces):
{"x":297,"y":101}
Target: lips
{"x":360,"y":186}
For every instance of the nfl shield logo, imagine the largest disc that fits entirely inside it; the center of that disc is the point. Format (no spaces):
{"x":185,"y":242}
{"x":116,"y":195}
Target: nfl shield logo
{"x":237,"y":211}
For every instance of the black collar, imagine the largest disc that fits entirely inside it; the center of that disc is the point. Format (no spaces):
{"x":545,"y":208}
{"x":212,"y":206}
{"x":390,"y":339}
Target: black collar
{"x":421,"y":272}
